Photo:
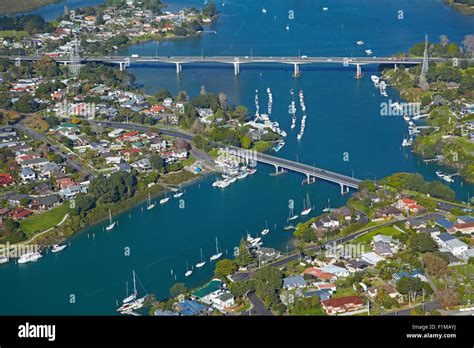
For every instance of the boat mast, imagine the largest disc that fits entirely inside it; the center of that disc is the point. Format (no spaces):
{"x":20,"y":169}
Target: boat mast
{"x":217,"y":247}
{"x":134,"y":284}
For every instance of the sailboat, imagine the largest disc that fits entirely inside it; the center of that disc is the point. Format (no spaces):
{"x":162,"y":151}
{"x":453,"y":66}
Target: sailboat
{"x":217,"y":254}
{"x":292,"y":216}
{"x":111,"y":224}
{"x":150,"y":205}
{"x":328,"y":208}
{"x":179,"y":193}
{"x":164,"y":200}
{"x":202,"y":263}
{"x":188,"y":271}
{"x":306,"y":206}
{"x":133,"y":296}
{"x":265,"y":230}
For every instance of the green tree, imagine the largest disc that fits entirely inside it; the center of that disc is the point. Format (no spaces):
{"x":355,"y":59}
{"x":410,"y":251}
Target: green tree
{"x":157,"y":163}
{"x":244,"y":258}
{"x":422,"y":242}
{"x":224,"y":268}
{"x":178,"y":289}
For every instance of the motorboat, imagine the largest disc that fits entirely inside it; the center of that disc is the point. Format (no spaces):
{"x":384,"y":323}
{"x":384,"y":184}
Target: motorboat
{"x":57,"y":248}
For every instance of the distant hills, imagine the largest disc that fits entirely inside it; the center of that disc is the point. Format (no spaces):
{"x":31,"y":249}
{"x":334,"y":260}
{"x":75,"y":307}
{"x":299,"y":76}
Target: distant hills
{"x":17,"y":6}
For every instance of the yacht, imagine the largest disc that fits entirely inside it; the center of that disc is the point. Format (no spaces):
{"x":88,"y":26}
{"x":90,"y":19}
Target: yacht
{"x":406,"y":118}
{"x":179,"y":193}
{"x":133,"y":296}
{"x":131,"y":302}
{"x":264,"y":10}
{"x":266,"y":230}
{"x":29,"y":257}
{"x":439,"y":174}
{"x":150,"y":205}
{"x":243,"y":175}
{"x":369,"y":52}
{"x":375,"y":79}
{"x":56,"y":248}
{"x":306,"y":206}
{"x":447,"y":178}
{"x":188,"y":271}
{"x":287,"y":27}
{"x":164,"y":200}
{"x":252,"y":171}
{"x":202,"y":263}
{"x":217,"y":254}
{"x":360,"y":43}
{"x":325,"y":8}
{"x":3,"y":259}
{"x":111,"y":224}
{"x":279,"y":146}
{"x":406,"y":142}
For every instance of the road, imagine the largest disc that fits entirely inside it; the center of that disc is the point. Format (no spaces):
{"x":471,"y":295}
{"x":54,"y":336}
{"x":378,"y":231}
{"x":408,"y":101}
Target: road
{"x":67,"y":160}
{"x":428,"y":306}
{"x":258,"y":308}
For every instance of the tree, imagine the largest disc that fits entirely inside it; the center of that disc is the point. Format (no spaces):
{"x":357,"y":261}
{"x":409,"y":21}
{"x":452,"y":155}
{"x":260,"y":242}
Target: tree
{"x":157,"y":163}
{"x":268,"y":281}
{"x":447,"y":297}
{"x":162,"y":94}
{"x":178,"y":289}
{"x":222,"y":101}
{"x":443,"y":40}
{"x":83,"y":203}
{"x":241,"y":112}
{"x":224,"y":268}
{"x":469,"y":44}
{"x":244,"y":258}
{"x":246,"y":142}
{"x":409,"y":286}
{"x":435,"y":265}
{"x":422,"y":242}
{"x":210,"y":9}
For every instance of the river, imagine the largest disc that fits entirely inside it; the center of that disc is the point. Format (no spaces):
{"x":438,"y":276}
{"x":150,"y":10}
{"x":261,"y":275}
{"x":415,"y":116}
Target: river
{"x":344,"y":133}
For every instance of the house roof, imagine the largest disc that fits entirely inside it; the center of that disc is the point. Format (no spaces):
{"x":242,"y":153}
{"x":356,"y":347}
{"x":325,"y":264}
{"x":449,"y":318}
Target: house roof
{"x":294,"y":281}
{"x":455,"y":243}
{"x":445,"y":237}
{"x":465,"y":219}
{"x":343,"y":301}
{"x":444,"y":223}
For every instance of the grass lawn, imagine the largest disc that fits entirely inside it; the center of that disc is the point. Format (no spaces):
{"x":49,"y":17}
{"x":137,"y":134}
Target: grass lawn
{"x":386,"y":231}
{"x":12,"y":33}
{"x":188,"y":161}
{"x":312,"y":311}
{"x":40,"y":222}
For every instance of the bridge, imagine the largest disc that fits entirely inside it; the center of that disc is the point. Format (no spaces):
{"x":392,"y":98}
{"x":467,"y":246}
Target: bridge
{"x":236,"y":61}
{"x":345,"y":182}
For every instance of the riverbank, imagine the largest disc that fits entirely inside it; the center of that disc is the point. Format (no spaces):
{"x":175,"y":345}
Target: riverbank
{"x":464,"y":8}
{"x":10,"y":7}
{"x":98,"y":215}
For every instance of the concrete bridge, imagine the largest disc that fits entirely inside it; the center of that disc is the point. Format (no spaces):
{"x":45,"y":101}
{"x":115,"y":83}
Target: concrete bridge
{"x":236,"y":61}
{"x":281,"y":164}
{"x":345,"y":182}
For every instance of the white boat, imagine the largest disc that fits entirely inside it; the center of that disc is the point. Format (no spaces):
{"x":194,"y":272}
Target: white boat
{"x":232,"y":180}
{"x":325,"y":8}
{"x":287,"y":27}
{"x":406,"y":118}
{"x":406,"y":142}
{"x":447,"y":178}
{"x":375,"y":79}
{"x":279,"y":146}
{"x":252,"y":171}
{"x":164,"y":200}
{"x":360,"y":43}
{"x":133,"y":296}
{"x":56,"y":248}
{"x":369,"y":52}
{"x":179,"y":193}
{"x":292,"y":216}
{"x":150,"y":205}
{"x":439,"y":174}
{"x":243,"y":175}
{"x":328,"y":208}
{"x":202,"y":263}
{"x":266,"y":230}
{"x":3,"y":259}
{"x":111,"y":224}
{"x":29,"y":257}
{"x":306,"y":206}
{"x":217,"y":254}
{"x":264,"y":10}
{"x":188,"y":271}
{"x":224,"y":183}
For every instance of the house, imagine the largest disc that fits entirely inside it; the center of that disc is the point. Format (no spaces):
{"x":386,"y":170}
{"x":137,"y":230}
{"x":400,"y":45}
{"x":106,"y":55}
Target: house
{"x":265,"y":254}
{"x":410,"y":205}
{"x":415,"y":223}
{"x":331,"y":287}
{"x":294,"y":282}
{"x":356,"y":265}
{"x":209,"y":291}
{"x":123,"y":167}
{"x":50,"y":169}
{"x":382,"y":248}
{"x":389,"y":212}
{"x":322,"y":294}
{"x":442,"y":238}
{"x":466,"y":228}
{"x":5,"y":179}
{"x":27,"y":174}
{"x":414,"y":274}
{"x":433,"y":231}
{"x":330,"y":222}
{"x":444,"y":223}
{"x":20,"y":213}
{"x":142,"y":165}
{"x":15,"y":199}
{"x":456,"y":247}
{"x":191,"y":307}
{"x":45,"y":203}
{"x":371,"y":258}
{"x":344,"y":212}
{"x":317,"y":273}
{"x":223,"y":301}
{"x":64,"y":183}
{"x":374,"y":198}
{"x":342,"y":304}
{"x":336,"y":270}
{"x":464,"y":219}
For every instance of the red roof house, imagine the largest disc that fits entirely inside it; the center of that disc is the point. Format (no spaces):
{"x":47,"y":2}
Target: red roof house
{"x":342,"y":304}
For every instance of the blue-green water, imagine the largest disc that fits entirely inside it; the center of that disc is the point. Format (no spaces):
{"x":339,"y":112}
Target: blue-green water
{"x":343,"y":116}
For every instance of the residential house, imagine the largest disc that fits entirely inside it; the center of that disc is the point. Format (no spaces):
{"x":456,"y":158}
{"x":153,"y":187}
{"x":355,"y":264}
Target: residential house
{"x":371,"y":258}
{"x":20,"y":213}
{"x":191,"y":307}
{"x":223,"y":301}
{"x":446,"y":224}
{"x":465,"y":219}
{"x":27,"y":174}
{"x":389,"y":212}
{"x":45,"y":203}
{"x":456,"y":247}
{"x":294,"y":282}
{"x":265,"y":254}
{"x":342,"y":304}
{"x":5,"y":179}
{"x":336,"y":270}
{"x":466,"y":228}
{"x":142,"y":165}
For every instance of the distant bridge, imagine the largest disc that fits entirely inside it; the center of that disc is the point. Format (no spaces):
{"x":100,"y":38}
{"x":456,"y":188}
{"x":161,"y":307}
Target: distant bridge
{"x":345,"y":182}
{"x":236,"y":61}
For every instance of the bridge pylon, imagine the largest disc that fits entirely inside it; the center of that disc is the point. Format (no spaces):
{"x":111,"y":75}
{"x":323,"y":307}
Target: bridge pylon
{"x":344,"y":189}
{"x":358,"y":74}
{"x":296,"y":70}
{"x":236,"y":68}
